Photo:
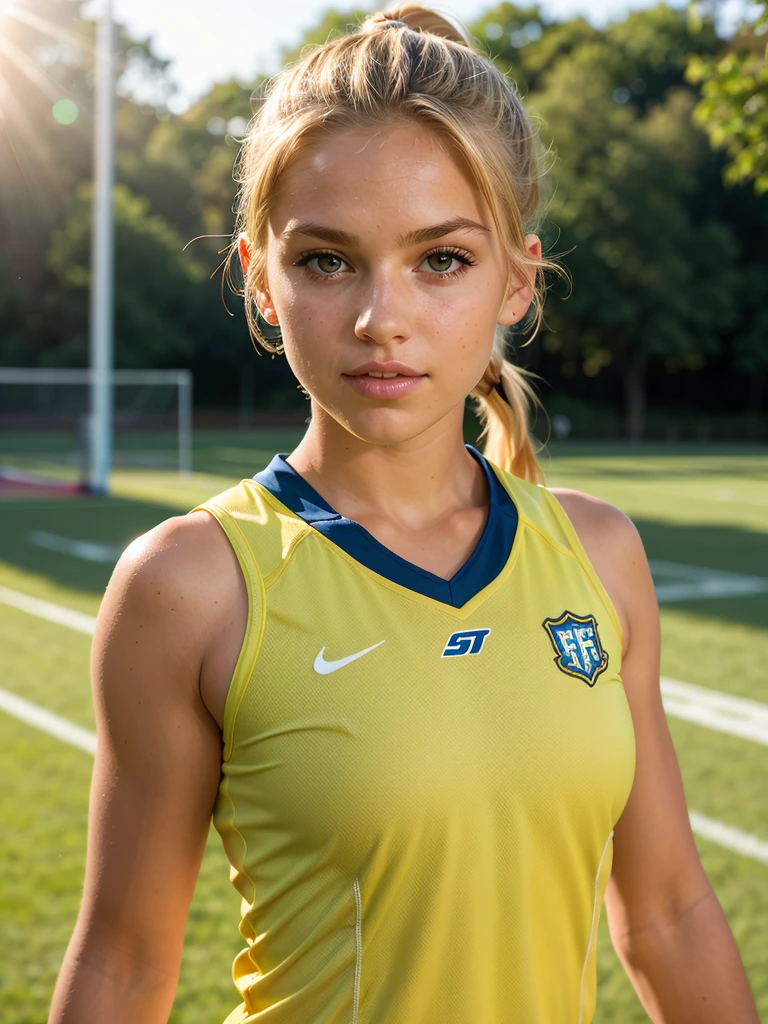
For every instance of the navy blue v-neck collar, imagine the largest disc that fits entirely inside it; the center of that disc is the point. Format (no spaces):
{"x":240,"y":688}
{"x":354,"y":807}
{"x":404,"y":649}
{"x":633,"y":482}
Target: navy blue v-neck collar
{"x":481,"y":568}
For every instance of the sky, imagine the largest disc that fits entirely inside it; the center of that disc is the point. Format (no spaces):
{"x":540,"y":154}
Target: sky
{"x":209,"y":42}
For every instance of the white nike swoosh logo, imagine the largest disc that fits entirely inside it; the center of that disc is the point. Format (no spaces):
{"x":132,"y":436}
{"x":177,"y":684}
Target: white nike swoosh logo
{"x":324,"y":667}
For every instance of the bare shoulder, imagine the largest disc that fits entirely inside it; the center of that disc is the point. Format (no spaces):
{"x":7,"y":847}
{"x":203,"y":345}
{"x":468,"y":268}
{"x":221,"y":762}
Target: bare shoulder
{"x":184,"y":565}
{"x":172,"y":596}
{"x":183,"y":549}
{"x":615,"y":549}
{"x":593,"y":516}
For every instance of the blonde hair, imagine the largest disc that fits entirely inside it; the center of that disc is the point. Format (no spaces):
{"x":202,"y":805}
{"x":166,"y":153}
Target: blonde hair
{"x":411,"y":65}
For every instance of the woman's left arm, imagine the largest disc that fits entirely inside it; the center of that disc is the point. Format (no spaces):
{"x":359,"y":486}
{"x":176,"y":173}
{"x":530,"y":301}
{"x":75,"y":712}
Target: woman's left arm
{"x":666,"y":924}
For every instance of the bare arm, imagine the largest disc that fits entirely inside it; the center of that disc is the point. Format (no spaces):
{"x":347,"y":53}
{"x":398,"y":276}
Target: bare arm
{"x":666,"y":924}
{"x":155,"y":775}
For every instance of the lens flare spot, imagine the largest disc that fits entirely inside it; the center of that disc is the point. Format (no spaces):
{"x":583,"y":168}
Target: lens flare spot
{"x":65,"y":111}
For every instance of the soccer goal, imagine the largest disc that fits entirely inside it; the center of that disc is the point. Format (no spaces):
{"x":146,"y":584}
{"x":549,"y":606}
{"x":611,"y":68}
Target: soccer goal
{"x":45,"y":422}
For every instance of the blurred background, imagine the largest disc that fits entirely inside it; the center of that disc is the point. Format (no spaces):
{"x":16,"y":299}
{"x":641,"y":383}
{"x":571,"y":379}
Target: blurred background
{"x":653,"y":372}
{"x":656,"y":193}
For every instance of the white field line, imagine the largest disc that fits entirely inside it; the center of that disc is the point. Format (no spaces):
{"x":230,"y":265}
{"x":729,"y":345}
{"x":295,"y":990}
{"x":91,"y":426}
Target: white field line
{"x":678,"y":582}
{"x":88,"y":550}
{"x":56,"y":726}
{"x":736,"y":715}
{"x":46,"y":610}
{"x":727,"y":494}
{"x":731,"y":838}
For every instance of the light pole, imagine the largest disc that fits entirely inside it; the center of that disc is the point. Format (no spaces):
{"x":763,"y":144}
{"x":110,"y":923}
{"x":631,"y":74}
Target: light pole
{"x":102,"y":256}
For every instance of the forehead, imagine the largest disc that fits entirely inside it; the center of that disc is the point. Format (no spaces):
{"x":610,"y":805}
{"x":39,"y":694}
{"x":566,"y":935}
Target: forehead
{"x":381,"y":178}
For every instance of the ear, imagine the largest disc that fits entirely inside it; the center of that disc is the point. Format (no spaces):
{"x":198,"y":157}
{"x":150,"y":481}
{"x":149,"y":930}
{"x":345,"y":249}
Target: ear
{"x":265,"y":307}
{"x":262,"y":297}
{"x":244,"y":253}
{"x":520,"y":293}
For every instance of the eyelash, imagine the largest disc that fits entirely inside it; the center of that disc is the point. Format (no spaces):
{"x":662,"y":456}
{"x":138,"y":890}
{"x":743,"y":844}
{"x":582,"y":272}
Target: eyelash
{"x":462,"y":255}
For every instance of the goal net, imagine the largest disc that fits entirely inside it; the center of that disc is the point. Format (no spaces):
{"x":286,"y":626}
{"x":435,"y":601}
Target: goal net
{"x":45,"y":423}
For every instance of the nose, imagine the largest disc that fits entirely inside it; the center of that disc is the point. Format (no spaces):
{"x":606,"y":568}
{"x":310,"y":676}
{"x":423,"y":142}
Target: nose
{"x":386,"y":314}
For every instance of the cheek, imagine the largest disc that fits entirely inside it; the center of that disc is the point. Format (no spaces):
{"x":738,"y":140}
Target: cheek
{"x":305,"y":354}
{"x":311,"y":331}
{"x":308,"y":313}
{"x":466,"y":318}
{"x":471,"y":305}
{"x":464,"y":332}
{"x":310,"y":339}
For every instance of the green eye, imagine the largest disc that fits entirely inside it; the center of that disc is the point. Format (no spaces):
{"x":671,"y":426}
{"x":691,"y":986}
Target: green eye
{"x":322,"y":264}
{"x":440,"y":261}
{"x":327,"y":263}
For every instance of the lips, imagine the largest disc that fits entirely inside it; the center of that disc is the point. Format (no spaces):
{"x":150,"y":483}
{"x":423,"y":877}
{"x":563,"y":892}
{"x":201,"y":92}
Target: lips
{"x":385,"y":388}
{"x":384,"y":381}
{"x":384,"y":368}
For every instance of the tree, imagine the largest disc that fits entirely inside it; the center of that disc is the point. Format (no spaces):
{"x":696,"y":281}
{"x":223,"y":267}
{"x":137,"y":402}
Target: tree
{"x":639,"y":207}
{"x":46,"y":119}
{"x":185,"y":167}
{"x":750,"y":344}
{"x":651,"y":281}
{"x":41,"y":158}
{"x":524,"y":43}
{"x":156,"y":286}
{"x":734,"y":105}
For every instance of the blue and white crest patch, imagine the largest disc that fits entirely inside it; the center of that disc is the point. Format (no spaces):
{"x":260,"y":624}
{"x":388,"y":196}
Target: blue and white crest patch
{"x":577,"y":645}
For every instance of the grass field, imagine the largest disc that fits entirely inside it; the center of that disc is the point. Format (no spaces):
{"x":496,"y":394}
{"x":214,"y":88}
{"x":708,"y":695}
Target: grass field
{"x":696,"y":508}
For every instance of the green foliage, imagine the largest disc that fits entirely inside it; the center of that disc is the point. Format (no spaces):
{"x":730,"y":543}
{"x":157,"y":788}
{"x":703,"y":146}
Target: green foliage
{"x":668,"y":267}
{"x":750,"y":346}
{"x":734,"y":105}
{"x":186,"y":166}
{"x":156,"y":283}
{"x":49,"y":57}
{"x":506,"y":32}
{"x":652,"y":278}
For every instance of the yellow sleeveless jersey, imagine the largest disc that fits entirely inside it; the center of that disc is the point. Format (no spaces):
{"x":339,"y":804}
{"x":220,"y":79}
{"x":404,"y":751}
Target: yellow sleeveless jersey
{"x":418,"y":797}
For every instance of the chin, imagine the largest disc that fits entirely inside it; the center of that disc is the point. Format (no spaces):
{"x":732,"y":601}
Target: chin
{"x":396,"y":426}
{"x":384,"y":426}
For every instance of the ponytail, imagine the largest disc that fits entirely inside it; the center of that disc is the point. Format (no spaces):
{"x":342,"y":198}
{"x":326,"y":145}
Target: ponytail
{"x":504,"y":400}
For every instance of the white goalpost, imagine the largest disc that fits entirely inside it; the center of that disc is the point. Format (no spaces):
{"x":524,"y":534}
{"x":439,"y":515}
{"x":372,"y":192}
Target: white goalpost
{"x":48,"y":424}
{"x":102,"y":256}
{"x":67,"y":426}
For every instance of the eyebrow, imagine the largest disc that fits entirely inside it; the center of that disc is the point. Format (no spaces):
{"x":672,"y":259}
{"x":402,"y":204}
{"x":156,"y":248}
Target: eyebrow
{"x":328,"y":234}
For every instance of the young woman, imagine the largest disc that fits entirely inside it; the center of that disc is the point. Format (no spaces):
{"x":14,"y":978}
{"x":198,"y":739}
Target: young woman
{"x":419,"y":693}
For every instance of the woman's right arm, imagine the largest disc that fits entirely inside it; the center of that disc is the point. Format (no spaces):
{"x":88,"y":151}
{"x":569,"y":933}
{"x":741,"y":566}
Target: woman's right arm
{"x":155,"y":776}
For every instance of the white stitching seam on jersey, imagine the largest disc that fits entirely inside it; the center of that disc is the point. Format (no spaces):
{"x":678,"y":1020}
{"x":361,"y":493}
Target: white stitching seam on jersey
{"x":358,"y":949}
{"x":592,"y":926}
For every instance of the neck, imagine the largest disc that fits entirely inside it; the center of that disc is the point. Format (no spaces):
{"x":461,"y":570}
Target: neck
{"x":413,"y":484}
